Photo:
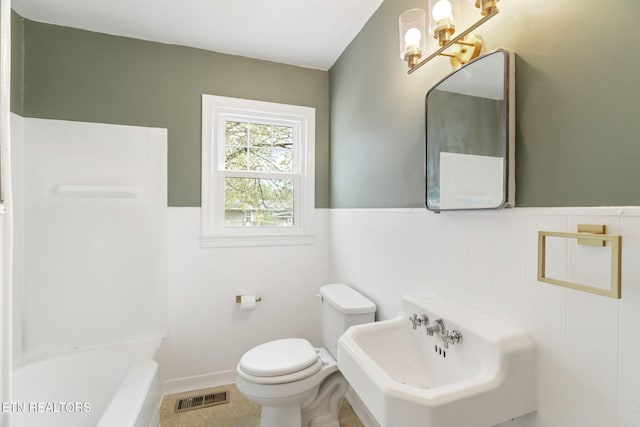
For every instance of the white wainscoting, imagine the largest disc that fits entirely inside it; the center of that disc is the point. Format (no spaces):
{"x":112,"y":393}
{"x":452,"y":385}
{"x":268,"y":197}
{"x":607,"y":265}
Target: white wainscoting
{"x":207,"y":331}
{"x":589,"y":346}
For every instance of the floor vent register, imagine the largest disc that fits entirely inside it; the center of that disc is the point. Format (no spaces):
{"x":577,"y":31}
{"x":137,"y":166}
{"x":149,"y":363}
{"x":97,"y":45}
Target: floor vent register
{"x":202,"y":401}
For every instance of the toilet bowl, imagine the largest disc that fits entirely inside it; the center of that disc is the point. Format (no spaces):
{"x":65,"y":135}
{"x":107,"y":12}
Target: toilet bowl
{"x":296,"y":384}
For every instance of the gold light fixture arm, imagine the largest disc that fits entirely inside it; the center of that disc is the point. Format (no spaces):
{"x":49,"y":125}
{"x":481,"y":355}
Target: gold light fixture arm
{"x":454,"y":40}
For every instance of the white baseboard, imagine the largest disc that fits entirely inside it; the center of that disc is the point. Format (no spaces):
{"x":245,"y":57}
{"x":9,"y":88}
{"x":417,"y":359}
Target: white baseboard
{"x":198,"y":382}
{"x":155,"y":421}
{"x":361,"y":411}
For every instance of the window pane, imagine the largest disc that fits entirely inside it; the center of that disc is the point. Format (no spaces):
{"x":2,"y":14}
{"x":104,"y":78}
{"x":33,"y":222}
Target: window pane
{"x":260,"y":135}
{"x":283,"y":136}
{"x":270,"y":160}
{"x":236,"y":133}
{"x":265,"y":147}
{"x":235,"y":159}
{"x":258,"y":202}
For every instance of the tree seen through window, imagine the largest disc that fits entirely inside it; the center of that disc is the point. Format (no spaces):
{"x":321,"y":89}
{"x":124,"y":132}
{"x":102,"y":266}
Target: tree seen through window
{"x":264,"y":201}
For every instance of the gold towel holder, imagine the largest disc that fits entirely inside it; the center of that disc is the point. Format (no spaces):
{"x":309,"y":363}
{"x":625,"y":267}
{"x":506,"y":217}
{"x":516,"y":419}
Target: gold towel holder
{"x":591,"y":235}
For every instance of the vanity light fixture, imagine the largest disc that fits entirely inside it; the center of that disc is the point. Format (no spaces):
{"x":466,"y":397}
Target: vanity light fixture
{"x":412,"y":45}
{"x":444,"y":14}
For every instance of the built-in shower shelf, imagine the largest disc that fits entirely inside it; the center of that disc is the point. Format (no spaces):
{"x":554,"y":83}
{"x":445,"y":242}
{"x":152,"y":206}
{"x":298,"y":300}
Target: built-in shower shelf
{"x":102,"y":191}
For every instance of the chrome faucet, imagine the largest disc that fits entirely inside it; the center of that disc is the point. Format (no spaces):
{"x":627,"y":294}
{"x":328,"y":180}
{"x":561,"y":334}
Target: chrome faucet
{"x":437,"y":327}
{"x":448,"y":337}
{"x":418,"y":320}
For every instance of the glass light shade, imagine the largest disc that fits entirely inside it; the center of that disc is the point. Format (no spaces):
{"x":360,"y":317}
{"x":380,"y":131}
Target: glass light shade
{"x":443,"y":15}
{"x":412,"y":33}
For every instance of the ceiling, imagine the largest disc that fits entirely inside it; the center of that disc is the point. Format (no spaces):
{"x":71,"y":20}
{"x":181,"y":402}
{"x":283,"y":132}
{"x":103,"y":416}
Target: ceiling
{"x":308,"y":33}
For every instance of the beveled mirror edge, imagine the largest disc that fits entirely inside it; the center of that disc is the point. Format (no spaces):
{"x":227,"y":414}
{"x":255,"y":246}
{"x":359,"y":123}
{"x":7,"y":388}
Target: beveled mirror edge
{"x":508,"y":199}
{"x":510,"y":202}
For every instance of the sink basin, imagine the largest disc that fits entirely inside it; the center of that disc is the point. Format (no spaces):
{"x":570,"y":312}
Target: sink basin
{"x":407,"y":378}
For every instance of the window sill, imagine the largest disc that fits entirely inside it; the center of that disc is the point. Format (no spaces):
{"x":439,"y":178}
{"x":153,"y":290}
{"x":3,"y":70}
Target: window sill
{"x":236,"y":241}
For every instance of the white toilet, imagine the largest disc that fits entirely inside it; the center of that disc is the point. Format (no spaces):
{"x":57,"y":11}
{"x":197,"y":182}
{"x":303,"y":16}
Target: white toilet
{"x":299,"y":385}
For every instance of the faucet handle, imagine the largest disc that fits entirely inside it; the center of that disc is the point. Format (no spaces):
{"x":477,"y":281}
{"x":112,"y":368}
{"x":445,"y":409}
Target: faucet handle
{"x":454,"y":337}
{"x":418,"y":320}
{"x":413,"y":318}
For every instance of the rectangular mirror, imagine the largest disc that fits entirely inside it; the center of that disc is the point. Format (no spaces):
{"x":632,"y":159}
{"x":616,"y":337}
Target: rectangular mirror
{"x":470,"y":119}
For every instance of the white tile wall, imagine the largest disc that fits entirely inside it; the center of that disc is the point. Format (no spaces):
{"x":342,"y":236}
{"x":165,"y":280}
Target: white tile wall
{"x":593,"y":364}
{"x":592,"y":318}
{"x":589,"y":346}
{"x":629,"y":415}
{"x":510,"y":265}
{"x":629,"y":323}
{"x":630,"y":380}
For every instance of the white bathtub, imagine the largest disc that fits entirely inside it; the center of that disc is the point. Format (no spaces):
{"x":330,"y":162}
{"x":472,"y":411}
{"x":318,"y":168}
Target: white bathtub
{"x":107,"y":387}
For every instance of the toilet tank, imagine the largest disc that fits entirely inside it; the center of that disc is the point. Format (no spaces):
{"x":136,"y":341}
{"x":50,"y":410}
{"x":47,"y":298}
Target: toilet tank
{"x":342,"y":307}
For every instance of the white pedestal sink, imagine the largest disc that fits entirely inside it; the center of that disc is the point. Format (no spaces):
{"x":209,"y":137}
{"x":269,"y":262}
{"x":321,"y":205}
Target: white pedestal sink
{"x":408,"y":379}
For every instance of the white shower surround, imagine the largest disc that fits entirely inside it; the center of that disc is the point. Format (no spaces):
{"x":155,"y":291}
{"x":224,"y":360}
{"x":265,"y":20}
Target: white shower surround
{"x":90,"y":271}
{"x":91,"y":256}
{"x":589,"y":348}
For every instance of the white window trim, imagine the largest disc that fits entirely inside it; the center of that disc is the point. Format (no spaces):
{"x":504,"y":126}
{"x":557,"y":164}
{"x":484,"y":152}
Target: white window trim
{"x":213,"y":232}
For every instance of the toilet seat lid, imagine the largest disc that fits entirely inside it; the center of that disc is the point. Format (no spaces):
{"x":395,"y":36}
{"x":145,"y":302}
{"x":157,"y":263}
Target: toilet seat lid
{"x":279,"y":357}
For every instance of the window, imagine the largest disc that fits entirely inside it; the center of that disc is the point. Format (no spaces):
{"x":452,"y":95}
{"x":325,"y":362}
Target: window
{"x":257,"y":172}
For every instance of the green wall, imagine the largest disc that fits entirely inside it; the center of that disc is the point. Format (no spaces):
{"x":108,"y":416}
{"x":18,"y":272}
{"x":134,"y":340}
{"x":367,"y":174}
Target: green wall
{"x":79,"y":75}
{"x":578,"y":106}
{"x":17,"y":49}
